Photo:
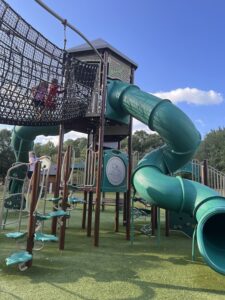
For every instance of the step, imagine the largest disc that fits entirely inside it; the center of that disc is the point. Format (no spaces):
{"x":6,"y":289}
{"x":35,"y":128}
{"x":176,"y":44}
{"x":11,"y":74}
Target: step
{"x":18,"y":258}
{"x":41,"y":217}
{"x":58,"y":213}
{"x":15,"y":235}
{"x":74,"y":200}
{"x":45,"y":237}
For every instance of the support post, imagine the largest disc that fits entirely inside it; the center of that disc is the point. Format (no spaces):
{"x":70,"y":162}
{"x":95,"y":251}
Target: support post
{"x":128,"y":197}
{"x":85,"y":192}
{"x":84,"y":210}
{"x":100,"y":150}
{"x":167,"y":222}
{"x":89,"y":223}
{"x":124,"y":208}
{"x":117,"y":207}
{"x":65,"y":197}
{"x":205,"y":172}
{"x":33,"y":204}
{"x":153,"y":219}
{"x":58,"y":174}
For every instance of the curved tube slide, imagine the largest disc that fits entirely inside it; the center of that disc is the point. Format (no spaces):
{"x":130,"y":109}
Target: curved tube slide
{"x":150,"y":178}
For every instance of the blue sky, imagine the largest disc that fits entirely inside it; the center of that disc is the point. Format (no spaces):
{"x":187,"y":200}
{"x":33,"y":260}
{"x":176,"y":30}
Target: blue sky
{"x":179,"y":45}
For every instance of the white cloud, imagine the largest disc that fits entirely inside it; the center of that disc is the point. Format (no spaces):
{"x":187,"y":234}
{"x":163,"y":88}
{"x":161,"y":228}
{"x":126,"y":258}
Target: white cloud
{"x":55,"y":139}
{"x":192,"y":95}
{"x":137,"y":125}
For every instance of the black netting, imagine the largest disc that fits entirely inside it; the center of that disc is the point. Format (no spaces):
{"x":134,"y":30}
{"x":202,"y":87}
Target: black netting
{"x":40,"y":84}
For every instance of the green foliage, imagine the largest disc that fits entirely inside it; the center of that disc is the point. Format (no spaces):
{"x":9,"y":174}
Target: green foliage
{"x":213,"y":149}
{"x":48,"y":149}
{"x":144,"y":142}
{"x":7,"y":157}
{"x":79,"y":145}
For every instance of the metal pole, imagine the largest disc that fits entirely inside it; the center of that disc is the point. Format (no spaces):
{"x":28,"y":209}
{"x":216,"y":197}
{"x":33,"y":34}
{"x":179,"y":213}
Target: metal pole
{"x":65,"y":22}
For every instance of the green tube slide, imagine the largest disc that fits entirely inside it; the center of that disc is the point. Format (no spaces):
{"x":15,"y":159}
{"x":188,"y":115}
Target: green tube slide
{"x":150,"y":178}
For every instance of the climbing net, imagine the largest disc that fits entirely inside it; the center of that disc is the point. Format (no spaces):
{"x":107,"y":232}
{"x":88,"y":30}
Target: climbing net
{"x":40,"y":84}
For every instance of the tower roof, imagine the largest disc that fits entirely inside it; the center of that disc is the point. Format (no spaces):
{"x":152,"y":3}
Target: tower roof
{"x":101,"y":44}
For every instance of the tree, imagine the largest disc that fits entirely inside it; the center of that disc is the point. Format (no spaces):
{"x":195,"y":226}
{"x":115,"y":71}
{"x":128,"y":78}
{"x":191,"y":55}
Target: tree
{"x":7,"y":157}
{"x":48,"y":149}
{"x":213,"y":149}
{"x":79,"y":145}
{"x":144,"y":142}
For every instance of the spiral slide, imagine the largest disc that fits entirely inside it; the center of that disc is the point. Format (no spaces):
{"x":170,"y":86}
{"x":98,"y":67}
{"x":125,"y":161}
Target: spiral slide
{"x":150,"y":179}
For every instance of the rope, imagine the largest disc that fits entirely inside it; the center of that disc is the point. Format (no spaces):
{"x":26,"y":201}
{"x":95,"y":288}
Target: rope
{"x":29,"y":64}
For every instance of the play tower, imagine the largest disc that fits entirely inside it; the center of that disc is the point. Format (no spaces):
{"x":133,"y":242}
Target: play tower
{"x":101,"y":124}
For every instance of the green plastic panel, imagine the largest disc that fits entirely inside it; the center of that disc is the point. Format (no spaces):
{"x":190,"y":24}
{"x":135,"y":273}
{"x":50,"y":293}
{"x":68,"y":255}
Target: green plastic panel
{"x":114,"y":177}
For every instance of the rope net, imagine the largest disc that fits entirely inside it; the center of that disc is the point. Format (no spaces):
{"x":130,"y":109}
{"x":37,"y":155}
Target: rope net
{"x":40,"y":84}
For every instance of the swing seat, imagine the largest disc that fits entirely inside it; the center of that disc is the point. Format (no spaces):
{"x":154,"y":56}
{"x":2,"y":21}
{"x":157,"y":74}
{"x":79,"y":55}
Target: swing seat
{"x":52,"y":214}
{"x":74,"y":200}
{"x":15,"y":235}
{"x":55,"y":200}
{"x":41,"y":217}
{"x":58,"y":213}
{"x":45,"y":237}
{"x":18,"y":258}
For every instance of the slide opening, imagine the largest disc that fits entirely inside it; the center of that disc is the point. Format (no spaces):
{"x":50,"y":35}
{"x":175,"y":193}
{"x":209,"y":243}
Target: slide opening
{"x":213,"y":238}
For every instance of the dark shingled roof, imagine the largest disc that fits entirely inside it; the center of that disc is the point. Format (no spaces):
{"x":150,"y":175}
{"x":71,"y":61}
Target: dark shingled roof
{"x":101,"y":44}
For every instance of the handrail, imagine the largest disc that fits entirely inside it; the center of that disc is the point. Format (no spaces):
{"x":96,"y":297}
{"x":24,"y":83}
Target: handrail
{"x":66,"y":23}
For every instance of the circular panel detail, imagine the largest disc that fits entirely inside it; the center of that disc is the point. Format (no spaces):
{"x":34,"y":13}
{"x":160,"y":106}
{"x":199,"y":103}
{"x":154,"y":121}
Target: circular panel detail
{"x":115,"y":170}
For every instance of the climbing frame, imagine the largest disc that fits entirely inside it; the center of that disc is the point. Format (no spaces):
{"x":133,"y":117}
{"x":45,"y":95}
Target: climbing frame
{"x":27,"y":59}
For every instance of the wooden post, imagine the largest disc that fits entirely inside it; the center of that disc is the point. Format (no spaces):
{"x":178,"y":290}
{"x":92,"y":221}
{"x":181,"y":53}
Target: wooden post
{"x":58,"y":175}
{"x":117,"y":208}
{"x":124,"y":208}
{"x":153,"y":219}
{"x":128,"y":197}
{"x":85,"y":192}
{"x":100,"y":150}
{"x":84,"y":210}
{"x":89,"y":223}
{"x":205,"y":172}
{"x":167,"y":222}
{"x":65,"y":197}
{"x":32,"y":218}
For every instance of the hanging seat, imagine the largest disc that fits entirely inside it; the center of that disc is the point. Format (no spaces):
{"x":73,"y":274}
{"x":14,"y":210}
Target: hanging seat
{"x":42,"y":237}
{"x":15,"y":235}
{"x":18,"y":258}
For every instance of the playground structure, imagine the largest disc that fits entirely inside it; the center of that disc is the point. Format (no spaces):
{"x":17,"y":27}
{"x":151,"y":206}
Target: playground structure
{"x":101,"y":103}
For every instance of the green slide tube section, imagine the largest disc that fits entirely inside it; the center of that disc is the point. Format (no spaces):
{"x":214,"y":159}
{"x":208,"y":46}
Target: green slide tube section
{"x":23,"y":141}
{"x":150,"y":178}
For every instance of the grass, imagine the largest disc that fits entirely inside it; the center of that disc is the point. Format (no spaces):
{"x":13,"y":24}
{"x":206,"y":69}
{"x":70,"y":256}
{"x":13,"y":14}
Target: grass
{"x":115,"y":270}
